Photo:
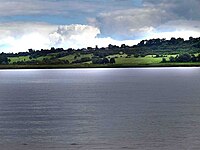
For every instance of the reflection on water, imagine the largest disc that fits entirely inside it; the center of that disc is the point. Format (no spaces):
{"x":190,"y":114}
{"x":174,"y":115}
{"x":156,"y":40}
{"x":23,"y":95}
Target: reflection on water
{"x":100,"y":109}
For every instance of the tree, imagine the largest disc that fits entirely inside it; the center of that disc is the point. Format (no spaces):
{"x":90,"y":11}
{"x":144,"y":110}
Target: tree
{"x":96,"y":48}
{"x":112,"y":60}
{"x":31,"y":51}
{"x":3,"y":59}
{"x":180,"y":40}
{"x":96,"y":60}
{"x":198,"y":58}
{"x":193,"y":58}
{"x":191,"y":38}
{"x":105,"y":61}
{"x":53,"y":49}
{"x":142,"y":43}
{"x":128,"y":56}
{"x":123,"y":46}
{"x":66,"y":61}
{"x":172,"y":59}
{"x":136,"y":55}
{"x":184,"y":58}
{"x":173,"y":40}
{"x":164,"y":60}
{"x":110,"y":46}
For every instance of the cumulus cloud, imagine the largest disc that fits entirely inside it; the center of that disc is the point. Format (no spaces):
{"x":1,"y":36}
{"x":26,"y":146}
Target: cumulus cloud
{"x":21,"y":37}
{"x":74,"y":34}
{"x":80,"y":36}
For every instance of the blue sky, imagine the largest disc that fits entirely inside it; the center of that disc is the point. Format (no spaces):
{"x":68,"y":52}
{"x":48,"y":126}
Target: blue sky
{"x":80,"y":23}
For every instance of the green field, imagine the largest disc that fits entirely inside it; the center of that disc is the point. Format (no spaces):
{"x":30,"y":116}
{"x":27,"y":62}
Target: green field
{"x":149,"y":59}
{"x":26,"y":58}
{"x":16,"y":59}
{"x":74,"y":57}
{"x":122,"y":60}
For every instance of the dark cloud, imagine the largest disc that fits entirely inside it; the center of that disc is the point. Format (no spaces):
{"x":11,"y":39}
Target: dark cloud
{"x":137,"y":22}
{"x":62,"y":7}
{"x":133,"y":22}
{"x":185,"y":9}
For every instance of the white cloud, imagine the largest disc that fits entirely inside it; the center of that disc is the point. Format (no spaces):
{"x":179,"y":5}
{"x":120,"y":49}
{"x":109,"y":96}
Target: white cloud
{"x":74,"y":34}
{"x":17,"y":37}
{"x":21,"y":37}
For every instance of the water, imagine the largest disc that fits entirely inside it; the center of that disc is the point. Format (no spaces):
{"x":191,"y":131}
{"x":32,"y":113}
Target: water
{"x":111,"y":109}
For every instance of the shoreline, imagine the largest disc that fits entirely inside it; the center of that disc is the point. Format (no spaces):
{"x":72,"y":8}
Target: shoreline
{"x":86,"y":66}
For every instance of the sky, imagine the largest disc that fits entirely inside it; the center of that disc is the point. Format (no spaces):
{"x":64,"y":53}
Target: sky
{"x":42,"y":24}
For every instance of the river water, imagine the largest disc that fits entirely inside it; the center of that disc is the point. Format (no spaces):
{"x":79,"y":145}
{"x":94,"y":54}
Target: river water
{"x":109,"y":109}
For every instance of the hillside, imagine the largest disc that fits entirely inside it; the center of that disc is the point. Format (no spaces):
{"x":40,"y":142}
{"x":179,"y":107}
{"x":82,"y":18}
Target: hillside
{"x":153,"y":52}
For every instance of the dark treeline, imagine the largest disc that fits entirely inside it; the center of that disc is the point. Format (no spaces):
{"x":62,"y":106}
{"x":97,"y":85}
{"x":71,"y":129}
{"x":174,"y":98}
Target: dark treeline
{"x":145,"y":47}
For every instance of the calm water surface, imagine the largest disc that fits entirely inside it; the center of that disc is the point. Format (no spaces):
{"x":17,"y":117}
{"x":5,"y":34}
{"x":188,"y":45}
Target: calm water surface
{"x":109,"y":109}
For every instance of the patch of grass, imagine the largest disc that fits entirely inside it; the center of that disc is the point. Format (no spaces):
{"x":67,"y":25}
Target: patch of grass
{"x":123,"y":59}
{"x":140,"y":60}
{"x":20,"y":58}
{"x":26,"y":58}
{"x":42,"y":57}
{"x":72,"y":58}
{"x":149,"y":59}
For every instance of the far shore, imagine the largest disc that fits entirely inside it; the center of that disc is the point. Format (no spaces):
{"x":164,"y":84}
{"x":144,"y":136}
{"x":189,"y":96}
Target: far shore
{"x":77,"y":66}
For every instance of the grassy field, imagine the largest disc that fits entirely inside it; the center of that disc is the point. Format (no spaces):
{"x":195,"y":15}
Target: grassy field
{"x":149,"y":59}
{"x":74,"y":57}
{"x":26,"y":58}
{"x":16,"y":59}
{"x":121,"y":61}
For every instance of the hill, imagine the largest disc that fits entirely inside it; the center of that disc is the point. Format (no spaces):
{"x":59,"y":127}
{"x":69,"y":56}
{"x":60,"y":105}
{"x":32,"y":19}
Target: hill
{"x":153,"y":52}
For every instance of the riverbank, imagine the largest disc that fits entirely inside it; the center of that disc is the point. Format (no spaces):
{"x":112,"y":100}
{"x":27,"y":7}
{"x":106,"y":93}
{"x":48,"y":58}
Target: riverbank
{"x":71,"y":66}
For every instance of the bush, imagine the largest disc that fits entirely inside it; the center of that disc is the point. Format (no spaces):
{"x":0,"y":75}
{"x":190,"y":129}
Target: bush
{"x":164,"y":60}
{"x":105,"y":61}
{"x":143,"y":55}
{"x":96,"y":60}
{"x":183,"y":58}
{"x":136,"y":55}
{"x":112,"y":60}
{"x":172,"y":59}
